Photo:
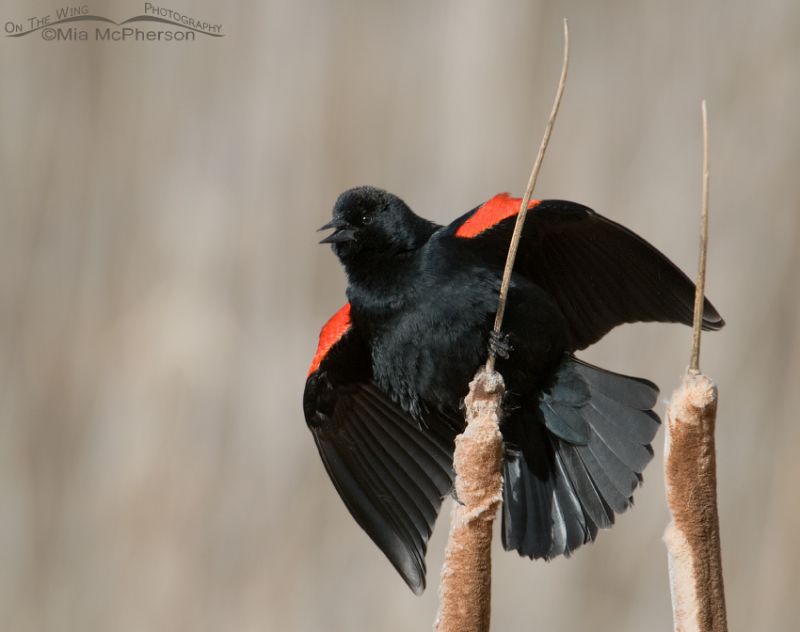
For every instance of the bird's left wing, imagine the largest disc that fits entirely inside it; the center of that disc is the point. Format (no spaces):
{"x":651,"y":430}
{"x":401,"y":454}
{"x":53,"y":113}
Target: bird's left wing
{"x":600,"y":273}
{"x":390,"y":473}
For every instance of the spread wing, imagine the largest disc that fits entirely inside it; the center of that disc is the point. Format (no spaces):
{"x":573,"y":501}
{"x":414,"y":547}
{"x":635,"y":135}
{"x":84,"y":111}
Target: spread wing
{"x":600,"y":273}
{"x":390,"y":473}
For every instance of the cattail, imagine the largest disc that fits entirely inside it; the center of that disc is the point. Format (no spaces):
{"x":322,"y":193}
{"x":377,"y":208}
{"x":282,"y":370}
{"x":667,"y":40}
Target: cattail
{"x":690,"y":476}
{"x":692,"y":538}
{"x":466,"y":578}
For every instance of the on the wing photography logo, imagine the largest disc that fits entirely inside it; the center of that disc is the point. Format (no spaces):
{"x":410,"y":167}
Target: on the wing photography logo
{"x":75,"y":23}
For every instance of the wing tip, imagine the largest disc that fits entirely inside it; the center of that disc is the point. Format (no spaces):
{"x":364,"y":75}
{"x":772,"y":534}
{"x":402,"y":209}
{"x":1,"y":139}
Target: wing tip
{"x":712,"y":321}
{"x":410,"y":567}
{"x":713,"y":324}
{"x":417,"y":585}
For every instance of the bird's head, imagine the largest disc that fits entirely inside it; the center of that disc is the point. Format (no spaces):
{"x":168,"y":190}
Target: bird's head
{"x":371,"y":225}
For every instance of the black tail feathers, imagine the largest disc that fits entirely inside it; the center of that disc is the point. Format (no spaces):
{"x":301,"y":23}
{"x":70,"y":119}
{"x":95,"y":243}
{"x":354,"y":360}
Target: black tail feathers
{"x":576,"y":464}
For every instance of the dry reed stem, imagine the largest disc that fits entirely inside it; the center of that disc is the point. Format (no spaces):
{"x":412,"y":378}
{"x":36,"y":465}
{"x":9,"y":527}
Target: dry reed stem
{"x":700,"y":291}
{"x":523,"y":208}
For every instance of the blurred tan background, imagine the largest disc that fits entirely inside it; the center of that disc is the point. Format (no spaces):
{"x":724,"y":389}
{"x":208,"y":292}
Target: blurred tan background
{"x":161,"y":290}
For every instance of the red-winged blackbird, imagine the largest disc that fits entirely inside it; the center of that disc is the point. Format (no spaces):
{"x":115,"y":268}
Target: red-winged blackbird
{"x":385,"y":389}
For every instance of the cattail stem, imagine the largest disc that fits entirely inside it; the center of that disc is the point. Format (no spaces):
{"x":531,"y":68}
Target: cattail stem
{"x":700,"y":290}
{"x":523,"y":208}
{"x":690,"y":476}
{"x":466,"y":578}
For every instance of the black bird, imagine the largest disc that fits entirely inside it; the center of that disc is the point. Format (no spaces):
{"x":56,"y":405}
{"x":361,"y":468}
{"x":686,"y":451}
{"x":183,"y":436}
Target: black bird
{"x":384,"y":392}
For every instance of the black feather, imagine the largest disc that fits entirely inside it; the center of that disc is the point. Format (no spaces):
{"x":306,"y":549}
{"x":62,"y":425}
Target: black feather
{"x":390,"y":473}
{"x":584,"y":482}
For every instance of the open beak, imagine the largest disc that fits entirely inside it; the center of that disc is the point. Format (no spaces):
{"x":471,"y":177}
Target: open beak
{"x":344,"y":232}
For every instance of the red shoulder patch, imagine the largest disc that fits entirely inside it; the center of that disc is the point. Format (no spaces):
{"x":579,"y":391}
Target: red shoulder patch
{"x":332,"y":331}
{"x":492,"y":212}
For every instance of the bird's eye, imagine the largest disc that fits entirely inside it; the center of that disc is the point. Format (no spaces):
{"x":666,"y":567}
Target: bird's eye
{"x":366,"y":219}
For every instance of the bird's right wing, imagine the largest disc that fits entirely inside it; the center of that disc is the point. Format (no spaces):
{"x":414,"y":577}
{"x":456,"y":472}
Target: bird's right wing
{"x":390,"y":473}
{"x":600,"y":273}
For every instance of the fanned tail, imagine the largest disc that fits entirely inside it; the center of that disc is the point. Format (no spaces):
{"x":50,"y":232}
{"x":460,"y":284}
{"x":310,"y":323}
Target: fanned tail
{"x":577,"y":464}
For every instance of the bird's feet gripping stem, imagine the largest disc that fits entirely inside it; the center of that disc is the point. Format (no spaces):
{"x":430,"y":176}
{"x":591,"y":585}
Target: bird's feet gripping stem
{"x":499,"y":344}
